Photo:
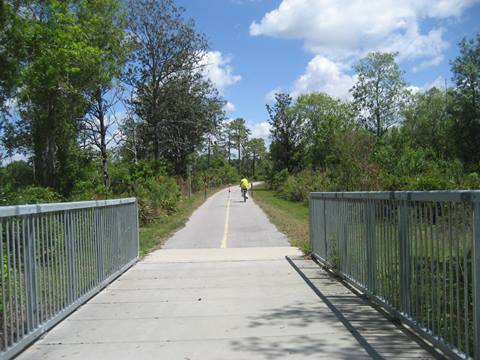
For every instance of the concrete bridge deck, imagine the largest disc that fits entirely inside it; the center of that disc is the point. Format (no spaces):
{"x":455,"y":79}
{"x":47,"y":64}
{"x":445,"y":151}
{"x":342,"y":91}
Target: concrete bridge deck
{"x":226,"y":300}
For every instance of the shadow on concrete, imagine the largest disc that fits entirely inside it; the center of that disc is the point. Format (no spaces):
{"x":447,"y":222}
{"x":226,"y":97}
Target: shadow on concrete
{"x":297,"y":347}
{"x":376,"y":337}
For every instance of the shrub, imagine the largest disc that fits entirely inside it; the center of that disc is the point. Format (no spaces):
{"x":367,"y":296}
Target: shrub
{"x":472,"y":181}
{"x":85,"y":190}
{"x":299,"y":187}
{"x":276,"y":181}
{"x":28,"y":195}
{"x":157,"y":195}
{"x":17,"y":173}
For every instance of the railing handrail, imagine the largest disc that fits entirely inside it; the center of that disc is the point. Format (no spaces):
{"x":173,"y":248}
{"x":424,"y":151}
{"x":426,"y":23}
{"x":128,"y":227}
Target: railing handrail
{"x":439,"y":195}
{"x":16,"y":210}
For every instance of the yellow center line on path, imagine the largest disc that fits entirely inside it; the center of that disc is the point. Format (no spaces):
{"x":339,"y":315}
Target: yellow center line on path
{"x":225,"y":229}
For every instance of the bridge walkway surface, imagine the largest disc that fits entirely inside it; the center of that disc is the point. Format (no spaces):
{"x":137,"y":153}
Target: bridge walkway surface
{"x":227,"y":286}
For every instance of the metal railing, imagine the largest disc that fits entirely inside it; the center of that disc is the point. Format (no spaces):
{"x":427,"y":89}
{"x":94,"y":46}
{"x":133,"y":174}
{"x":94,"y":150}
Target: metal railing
{"x":415,"y":253}
{"x":54,"y":257}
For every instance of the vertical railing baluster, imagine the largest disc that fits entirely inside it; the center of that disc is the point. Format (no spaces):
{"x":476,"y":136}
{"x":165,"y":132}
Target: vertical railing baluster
{"x":465,"y":281}
{"x":371,"y":243}
{"x":311,"y":222}
{"x":476,"y":277}
{"x":9,"y":263}
{"x":36,"y":268}
{"x":325,"y":229}
{"x":69,"y":250}
{"x":21,"y":247}
{"x":30,"y":273}
{"x":98,"y":245}
{"x":404,"y":259}
{"x":4,"y":304}
{"x":41,"y":282}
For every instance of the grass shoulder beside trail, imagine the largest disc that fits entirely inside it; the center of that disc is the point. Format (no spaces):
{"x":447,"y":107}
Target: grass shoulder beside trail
{"x":289,"y":217}
{"x":153,"y":235}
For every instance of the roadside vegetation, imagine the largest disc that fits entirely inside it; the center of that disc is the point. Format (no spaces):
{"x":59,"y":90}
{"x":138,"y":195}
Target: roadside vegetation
{"x":291,"y":218}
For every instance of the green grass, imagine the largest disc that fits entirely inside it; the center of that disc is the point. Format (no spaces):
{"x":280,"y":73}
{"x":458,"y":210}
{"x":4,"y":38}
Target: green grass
{"x":153,"y":235}
{"x":289,"y":217}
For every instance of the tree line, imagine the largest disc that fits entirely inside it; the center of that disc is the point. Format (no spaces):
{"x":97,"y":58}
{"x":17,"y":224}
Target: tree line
{"x":105,"y":98}
{"x":390,"y":136}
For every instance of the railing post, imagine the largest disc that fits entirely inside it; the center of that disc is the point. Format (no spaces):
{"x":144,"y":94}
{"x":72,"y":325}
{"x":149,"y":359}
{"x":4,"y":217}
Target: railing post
{"x":343,"y":228}
{"x":311,"y":216}
{"x":69,"y":251}
{"x":137,"y":230}
{"x":98,"y":244}
{"x":118,"y":242}
{"x":325,"y":242}
{"x":404,"y":257}
{"x":371,"y":241}
{"x":30,"y":274}
{"x":476,"y":277}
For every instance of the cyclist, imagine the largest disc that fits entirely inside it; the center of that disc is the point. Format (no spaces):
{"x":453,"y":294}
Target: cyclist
{"x":244,"y":187}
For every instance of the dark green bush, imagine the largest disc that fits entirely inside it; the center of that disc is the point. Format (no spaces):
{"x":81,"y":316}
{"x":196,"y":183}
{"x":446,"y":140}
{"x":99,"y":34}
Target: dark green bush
{"x":472,"y":181}
{"x":299,"y":187}
{"x":277,"y":180}
{"x":17,"y":174}
{"x":28,"y":195}
{"x":157,"y":195}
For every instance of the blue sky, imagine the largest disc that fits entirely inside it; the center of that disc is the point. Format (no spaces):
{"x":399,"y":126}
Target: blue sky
{"x":299,"y":46}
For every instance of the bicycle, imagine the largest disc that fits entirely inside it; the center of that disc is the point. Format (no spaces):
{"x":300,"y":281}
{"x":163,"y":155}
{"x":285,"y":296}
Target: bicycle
{"x":244,"y":194}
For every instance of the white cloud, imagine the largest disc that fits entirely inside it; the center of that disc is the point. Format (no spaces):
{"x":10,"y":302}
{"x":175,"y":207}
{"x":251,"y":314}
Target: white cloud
{"x":229,"y":107}
{"x":339,"y":33}
{"x":324,"y":75}
{"x":428,"y":63}
{"x":447,"y":8}
{"x":349,"y":29}
{"x":414,"y":89}
{"x":260,"y":130}
{"x":217,"y":69}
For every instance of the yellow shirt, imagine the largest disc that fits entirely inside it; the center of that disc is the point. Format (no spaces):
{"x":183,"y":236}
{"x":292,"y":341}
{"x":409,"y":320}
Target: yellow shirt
{"x":244,"y":183}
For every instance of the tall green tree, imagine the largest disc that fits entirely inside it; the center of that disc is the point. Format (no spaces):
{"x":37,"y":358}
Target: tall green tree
{"x":52,"y":102}
{"x":167,"y":51}
{"x":66,"y":63}
{"x":466,"y":108}
{"x":106,"y":21}
{"x":239,"y":137}
{"x":286,"y":131}
{"x":379,"y":93}
{"x":323,"y":117}
{"x":256,"y":150}
{"x":226,"y":140}
{"x":191,"y":110}
{"x":428,"y":124}
{"x":14,"y":32}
